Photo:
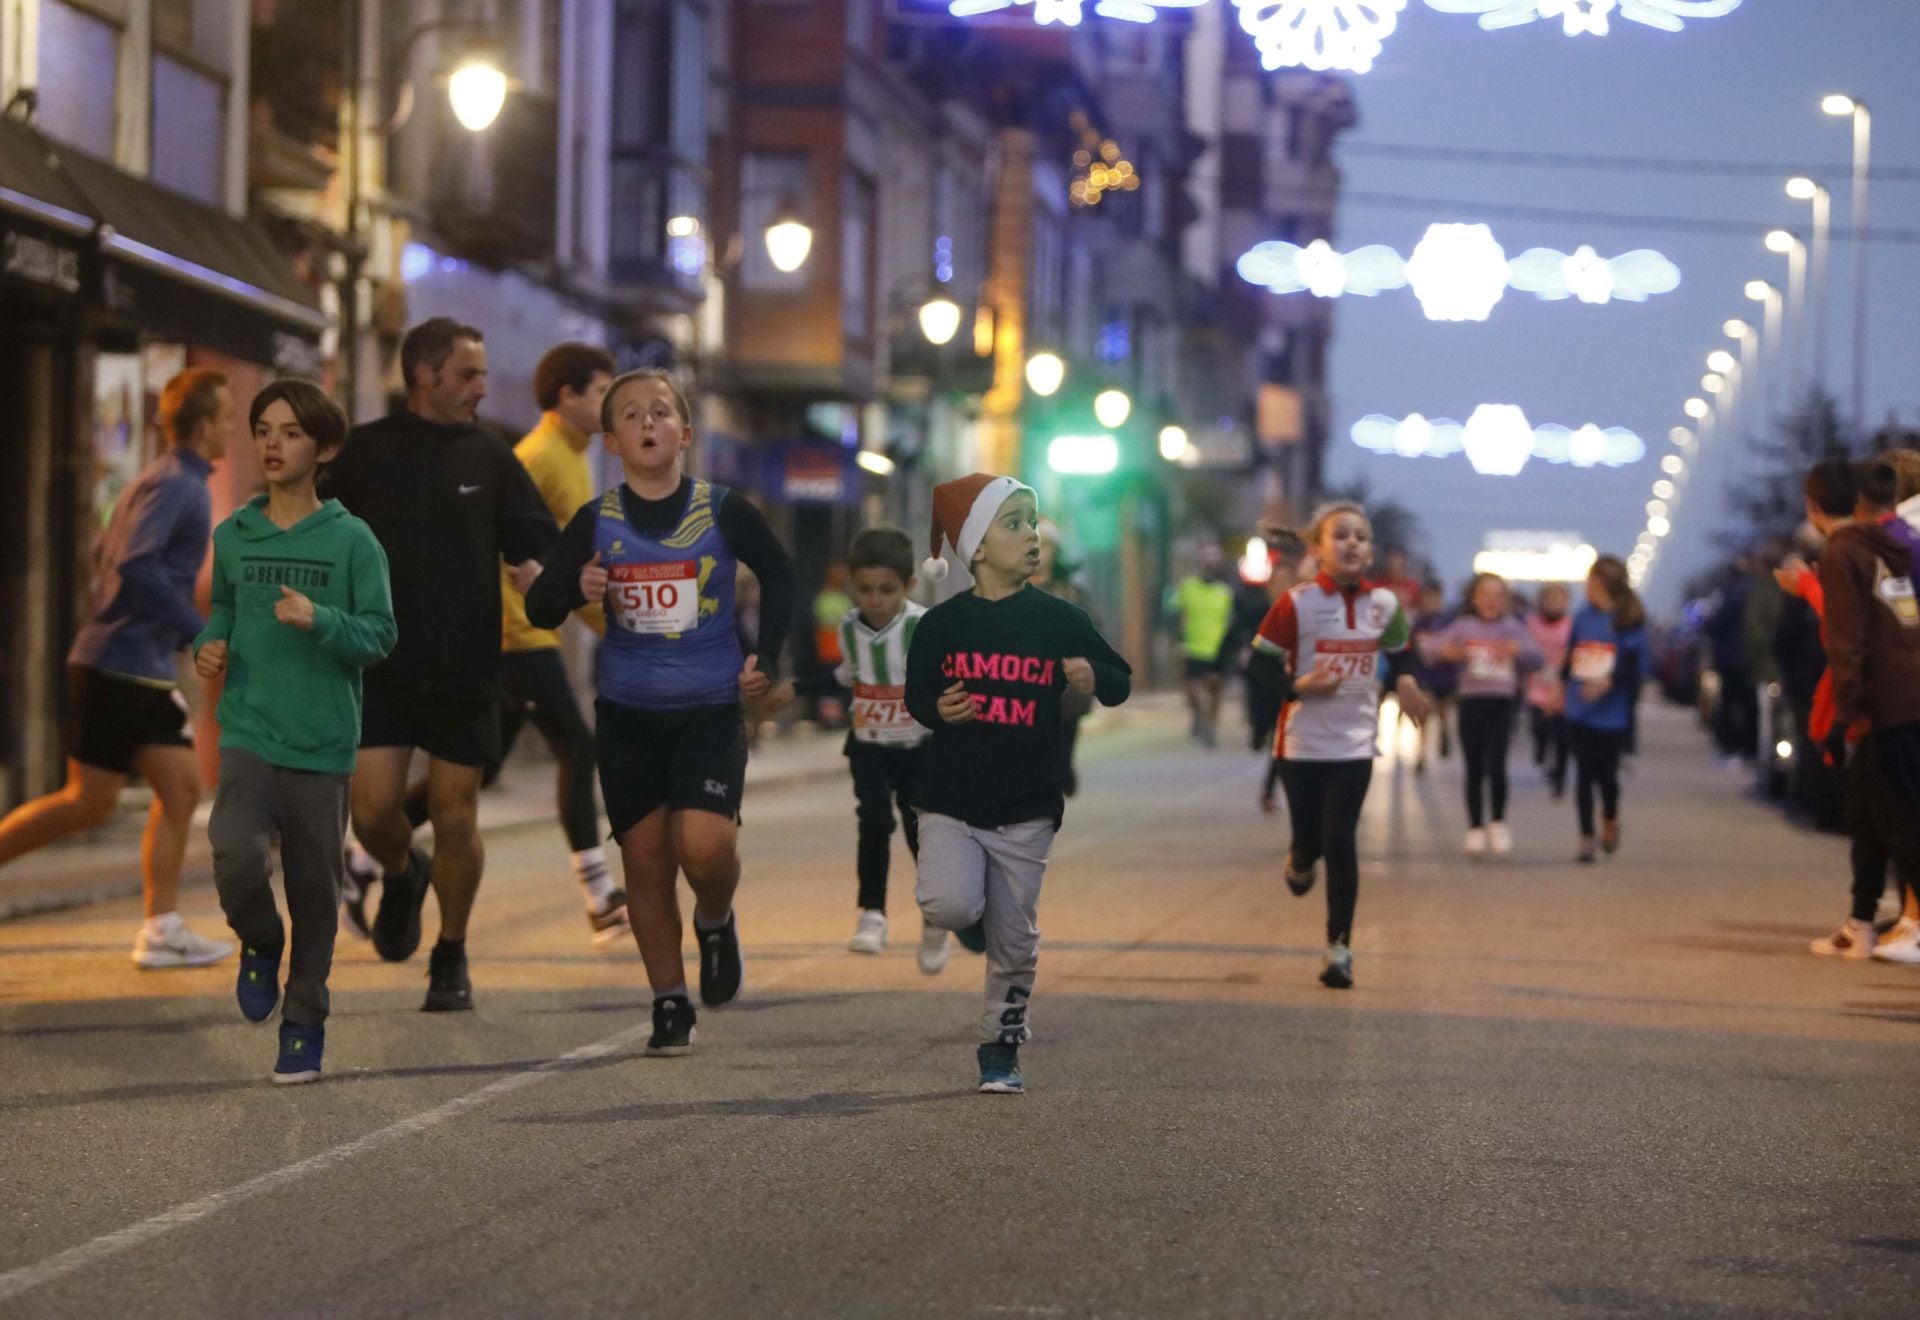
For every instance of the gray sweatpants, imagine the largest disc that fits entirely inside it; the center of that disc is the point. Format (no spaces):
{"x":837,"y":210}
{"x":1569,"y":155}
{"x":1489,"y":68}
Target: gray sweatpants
{"x":972,"y":873}
{"x":255,"y":801}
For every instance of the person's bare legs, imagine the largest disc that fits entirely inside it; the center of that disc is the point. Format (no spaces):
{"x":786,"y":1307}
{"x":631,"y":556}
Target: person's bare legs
{"x":378,"y":805}
{"x":173,"y":773}
{"x":708,"y":846}
{"x":86,"y":801}
{"x":653,"y":900}
{"x":453,"y":807}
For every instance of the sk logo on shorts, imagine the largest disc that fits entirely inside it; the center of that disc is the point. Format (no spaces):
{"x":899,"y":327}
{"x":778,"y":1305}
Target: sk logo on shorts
{"x":715,"y":788}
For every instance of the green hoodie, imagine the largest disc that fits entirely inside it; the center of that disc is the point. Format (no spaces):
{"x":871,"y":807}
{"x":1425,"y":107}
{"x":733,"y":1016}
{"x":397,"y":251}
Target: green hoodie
{"x":293,"y":696}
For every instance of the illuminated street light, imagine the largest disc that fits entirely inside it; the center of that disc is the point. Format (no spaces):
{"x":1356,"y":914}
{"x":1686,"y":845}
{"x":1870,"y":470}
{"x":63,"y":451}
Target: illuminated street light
{"x":1696,"y":408}
{"x":875,"y":462}
{"x":1656,"y":508}
{"x":1801,"y":188}
{"x":478,"y":91}
{"x":1722,"y":362}
{"x":1045,"y":373}
{"x":1680,"y":437}
{"x":1760,"y":291}
{"x":1712,"y":384}
{"x":1779,"y":240}
{"x":940,"y":320}
{"x":789,"y":239}
{"x":1663,"y":489}
{"x":1839,"y":106}
{"x":1673,"y":465}
{"x":1658,"y":525}
{"x":1174,"y":443}
{"x":1736,"y":329}
{"x":1111,"y":408}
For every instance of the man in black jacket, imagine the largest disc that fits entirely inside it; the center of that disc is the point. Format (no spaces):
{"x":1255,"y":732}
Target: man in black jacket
{"x":447,"y":501}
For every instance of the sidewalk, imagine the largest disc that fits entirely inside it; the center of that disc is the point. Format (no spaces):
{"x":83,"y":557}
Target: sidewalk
{"x":106,"y":863}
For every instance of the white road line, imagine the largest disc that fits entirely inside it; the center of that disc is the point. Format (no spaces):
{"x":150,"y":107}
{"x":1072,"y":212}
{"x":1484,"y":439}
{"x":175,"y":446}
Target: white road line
{"x":28,"y":1277}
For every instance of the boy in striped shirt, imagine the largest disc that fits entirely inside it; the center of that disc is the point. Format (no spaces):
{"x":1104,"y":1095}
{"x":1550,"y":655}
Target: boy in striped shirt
{"x":886,"y":747}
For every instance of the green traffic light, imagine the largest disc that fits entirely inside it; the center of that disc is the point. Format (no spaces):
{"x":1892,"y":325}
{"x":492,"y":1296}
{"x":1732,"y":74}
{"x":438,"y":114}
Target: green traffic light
{"x":1083,"y":455}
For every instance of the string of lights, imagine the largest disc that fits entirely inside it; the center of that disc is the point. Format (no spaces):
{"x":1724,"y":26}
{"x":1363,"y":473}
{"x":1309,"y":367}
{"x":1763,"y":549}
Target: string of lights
{"x":1619,"y":164}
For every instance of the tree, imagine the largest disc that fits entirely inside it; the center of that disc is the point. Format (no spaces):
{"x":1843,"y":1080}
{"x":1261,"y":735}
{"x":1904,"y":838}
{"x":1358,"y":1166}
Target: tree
{"x":1770,"y":501}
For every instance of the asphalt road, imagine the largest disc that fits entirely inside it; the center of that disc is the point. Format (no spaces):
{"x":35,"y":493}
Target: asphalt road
{"x":1556,"y":1092}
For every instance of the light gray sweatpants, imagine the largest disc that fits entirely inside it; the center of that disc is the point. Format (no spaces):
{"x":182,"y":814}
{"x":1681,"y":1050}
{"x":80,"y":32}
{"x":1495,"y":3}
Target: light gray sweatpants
{"x":973,"y":873}
{"x":308,"y":810}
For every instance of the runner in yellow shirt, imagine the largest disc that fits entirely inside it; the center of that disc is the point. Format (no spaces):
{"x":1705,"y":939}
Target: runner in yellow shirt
{"x":1203,"y":604}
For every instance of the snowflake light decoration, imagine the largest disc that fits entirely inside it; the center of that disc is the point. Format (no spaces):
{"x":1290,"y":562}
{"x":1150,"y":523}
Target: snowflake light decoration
{"x":1497,"y":447}
{"x":1587,"y":17}
{"x":1584,"y":274}
{"x":1458,"y":272}
{"x":1067,"y":13}
{"x":1319,"y":34}
{"x":1321,"y":271}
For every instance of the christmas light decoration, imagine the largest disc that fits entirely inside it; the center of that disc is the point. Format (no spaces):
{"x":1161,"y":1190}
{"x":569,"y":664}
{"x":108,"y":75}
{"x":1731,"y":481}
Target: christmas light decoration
{"x":1497,"y":438}
{"x":1587,"y":17}
{"x":1067,"y":13}
{"x":1321,"y":271}
{"x":1416,"y":436}
{"x":1458,"y":272}
{"x":1319,"y":34}
{"x":1584,"y":274}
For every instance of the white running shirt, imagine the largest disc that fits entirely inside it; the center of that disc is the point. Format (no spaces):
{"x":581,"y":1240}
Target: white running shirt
{"x":875,"y":668}
{"x":1352,"y":632}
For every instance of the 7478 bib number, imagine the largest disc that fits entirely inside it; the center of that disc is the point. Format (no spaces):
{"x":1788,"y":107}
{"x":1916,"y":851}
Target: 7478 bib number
{"x":655,"y":598}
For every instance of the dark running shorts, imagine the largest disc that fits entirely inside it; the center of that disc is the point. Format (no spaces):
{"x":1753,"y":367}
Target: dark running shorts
{"x":1213,"y":668}
{"x":109,"y":718}
{"x":683,"y":760}
{"x":453,"y":729}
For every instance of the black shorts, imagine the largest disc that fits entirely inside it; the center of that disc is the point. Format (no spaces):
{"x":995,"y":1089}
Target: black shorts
{"x":1213,"y":668}
{"x":460,"y":730}
{"x":109,"y":718}
{"x":683,"y":760}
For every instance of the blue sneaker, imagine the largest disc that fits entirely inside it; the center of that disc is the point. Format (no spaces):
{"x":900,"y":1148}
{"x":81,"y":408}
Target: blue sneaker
{"x":300,"y":1050}
{"x":258,"y":987}
{"x":1000,"y":1070}
{"x":974,"y":938}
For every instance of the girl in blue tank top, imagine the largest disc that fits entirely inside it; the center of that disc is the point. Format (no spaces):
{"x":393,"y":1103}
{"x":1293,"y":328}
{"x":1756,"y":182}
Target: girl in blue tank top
{"x":662,"y":552}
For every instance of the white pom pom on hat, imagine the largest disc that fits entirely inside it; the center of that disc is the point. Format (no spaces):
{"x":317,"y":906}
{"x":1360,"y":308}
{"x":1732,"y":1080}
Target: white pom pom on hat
{"x":933,"y":569}
{"x":963,"y":510}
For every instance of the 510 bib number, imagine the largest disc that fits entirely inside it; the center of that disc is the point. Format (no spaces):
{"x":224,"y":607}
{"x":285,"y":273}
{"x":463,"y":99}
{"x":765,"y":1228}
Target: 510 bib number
{"x":655,"y":598}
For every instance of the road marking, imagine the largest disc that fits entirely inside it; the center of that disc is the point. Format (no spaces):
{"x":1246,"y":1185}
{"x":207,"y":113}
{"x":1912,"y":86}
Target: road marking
{"x":28,"y":1277}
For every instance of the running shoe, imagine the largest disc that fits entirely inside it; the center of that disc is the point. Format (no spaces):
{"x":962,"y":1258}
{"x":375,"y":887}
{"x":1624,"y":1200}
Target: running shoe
{"x":870,"y":933}
{"x":449,"y":990}
{"x":974,"y":938}
{"x":1589,"y":851}
{"x":179,"y":947}
{"x":1301,"y":882}
{"x":1476,"y":844}
{"x":1901,"y":944}
{"x":1000,"y":1070}
{"x":1610,"y":837}
{"x":1854,"y":940}
{"x":258,"y":987}
{"x":720,"y":969}
{"x":362,"y":873}
{"x":300,"y":1051}
{"x":673,"y":1019}
{"x":610,"y":922}
{"x":396,"y":927}
{"x":1338,"y":972}
{"x":1499,"y":838}
{"x":933,"y":950}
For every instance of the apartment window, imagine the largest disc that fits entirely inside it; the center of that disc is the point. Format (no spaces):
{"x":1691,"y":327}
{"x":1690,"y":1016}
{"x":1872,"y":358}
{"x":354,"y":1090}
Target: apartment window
{"x":79,"y":67}
{"x":767,"y":180}
{"x":188,"y":136}
{"x":657,"y":172}
{"x":856,"y":255}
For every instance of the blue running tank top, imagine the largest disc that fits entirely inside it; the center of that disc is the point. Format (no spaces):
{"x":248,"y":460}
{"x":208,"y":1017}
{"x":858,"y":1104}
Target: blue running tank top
{"x":671,"y":642}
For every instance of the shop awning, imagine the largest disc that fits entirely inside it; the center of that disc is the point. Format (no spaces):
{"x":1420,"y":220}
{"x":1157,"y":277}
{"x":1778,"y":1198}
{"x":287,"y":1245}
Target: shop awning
{"x":170,"y":265}
{"x":46,"y":230}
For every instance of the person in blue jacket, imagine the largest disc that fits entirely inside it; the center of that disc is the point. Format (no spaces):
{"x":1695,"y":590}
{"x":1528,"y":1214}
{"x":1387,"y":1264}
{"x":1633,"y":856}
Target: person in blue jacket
{"x":1606,"y":658}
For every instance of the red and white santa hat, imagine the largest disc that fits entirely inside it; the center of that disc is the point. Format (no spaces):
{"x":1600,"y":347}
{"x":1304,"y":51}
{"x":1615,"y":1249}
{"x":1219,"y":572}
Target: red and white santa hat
{"x":963,"y":510}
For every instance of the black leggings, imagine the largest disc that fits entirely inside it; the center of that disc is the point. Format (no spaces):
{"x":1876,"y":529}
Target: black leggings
{"x":1486,"y":731}
{"x":1549,"y":744}
{"x":1883,"y":820}
{"x":1596,"y":760}
{"x":884,"y":778}
{"x":537,"y":691}
{"x":1324,"y":798}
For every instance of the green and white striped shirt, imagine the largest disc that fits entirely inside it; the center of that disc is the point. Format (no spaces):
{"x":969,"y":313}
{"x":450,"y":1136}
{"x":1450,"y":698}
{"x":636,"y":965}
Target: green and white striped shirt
{"x":875,"y":667}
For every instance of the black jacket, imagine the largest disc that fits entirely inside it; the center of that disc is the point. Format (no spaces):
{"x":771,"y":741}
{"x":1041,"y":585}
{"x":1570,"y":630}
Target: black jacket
{"x":447,"y":503}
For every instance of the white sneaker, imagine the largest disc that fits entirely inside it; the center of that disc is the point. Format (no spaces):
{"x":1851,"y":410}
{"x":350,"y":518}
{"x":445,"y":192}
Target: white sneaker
{"x":1853,"y":940}
{"x":870,"y":936}
{"x":1500,"y":838}
{"x":933,"y":950}
{"x":1901,"y":944}
{"x":1476,"y":842}
{"x":179,"y":947}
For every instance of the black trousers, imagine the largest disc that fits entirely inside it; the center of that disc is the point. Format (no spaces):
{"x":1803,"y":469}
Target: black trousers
{"x":1883,"y":815}
{"x":1596,"y":761}
{"x":1324,"y":798}
{"x":1549,"y":744}
{"x":536,"y":691}
{"x":1736,"y":721}
{"x":1486,"y":733}
{"x":884,"y":778}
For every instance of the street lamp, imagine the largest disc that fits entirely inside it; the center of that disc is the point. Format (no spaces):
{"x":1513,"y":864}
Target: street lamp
{"x":1768,"y":351}
{"x":1174,"y":443}
{"x":940,"y":320}
{"x":789,"y":238}
{"x":1803,"y":189}
{"x":1722,"y":362}
{"x":1695,"y":408}
{"x":478,"y":90}
{"x":1712,"y":384}
{"x":1841,"y":106}
{"x":1045,"y":374}
{"x":1111,"y":408}
{"x":1786,"y":244}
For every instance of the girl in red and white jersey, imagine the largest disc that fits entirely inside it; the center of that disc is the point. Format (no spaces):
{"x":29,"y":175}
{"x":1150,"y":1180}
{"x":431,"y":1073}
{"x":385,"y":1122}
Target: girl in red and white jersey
{"x":1327,"y":646}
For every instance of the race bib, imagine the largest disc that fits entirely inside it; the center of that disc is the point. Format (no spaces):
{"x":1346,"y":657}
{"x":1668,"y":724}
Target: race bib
{"x":1593,"y":662}
{"x":880,"y":714}
{"x":1346,"y":659}
{"x":659,"y":599}
{"x":1486,"y":664}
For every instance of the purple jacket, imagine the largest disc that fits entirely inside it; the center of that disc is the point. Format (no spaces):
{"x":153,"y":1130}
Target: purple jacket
{"x":1486,"y":672}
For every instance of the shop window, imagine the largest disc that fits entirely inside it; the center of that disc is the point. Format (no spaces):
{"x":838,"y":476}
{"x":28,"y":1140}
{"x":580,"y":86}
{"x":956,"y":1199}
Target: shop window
{"x":79,"y":68}
{"x":189,"y":112}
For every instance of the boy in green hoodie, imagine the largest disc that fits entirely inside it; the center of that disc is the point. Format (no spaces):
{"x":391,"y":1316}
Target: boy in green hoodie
{"x":301,"y":605}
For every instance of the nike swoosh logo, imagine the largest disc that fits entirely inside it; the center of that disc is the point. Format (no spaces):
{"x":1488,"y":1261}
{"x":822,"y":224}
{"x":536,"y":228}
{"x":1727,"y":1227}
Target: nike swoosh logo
{"x":468,"y":490}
